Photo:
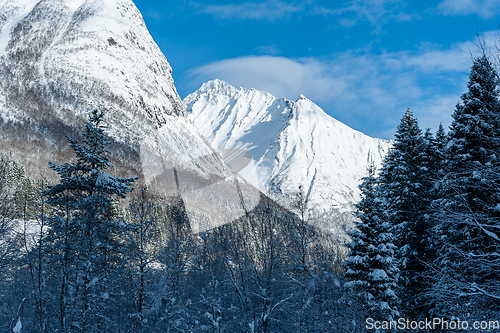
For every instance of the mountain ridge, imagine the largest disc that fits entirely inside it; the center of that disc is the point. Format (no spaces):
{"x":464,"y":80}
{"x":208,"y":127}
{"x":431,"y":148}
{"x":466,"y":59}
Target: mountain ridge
{"x":293,"y":143}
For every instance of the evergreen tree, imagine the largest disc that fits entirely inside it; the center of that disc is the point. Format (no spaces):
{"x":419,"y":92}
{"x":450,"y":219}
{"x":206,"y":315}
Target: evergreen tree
{"x":406,"y":187}
{"x":475,"y":130}
{"x":431,"y":158}
{"x":441,"y":142}
{"x":469,"y":218}
{"x":372,"y":267}
{"x":83,"y":237}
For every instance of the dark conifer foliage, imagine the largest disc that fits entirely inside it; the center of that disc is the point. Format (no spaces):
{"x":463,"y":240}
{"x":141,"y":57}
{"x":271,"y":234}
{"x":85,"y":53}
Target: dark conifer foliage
{"x":468,"y":215}
{"x":440,"y":143}
{"x":474,"y":135}
{"x":406,"y":188}
{"x":82,"y":238}
{"x":10,"y":175}
{"x":441,"y":196}
{"x":394,"y":234}
{"x":372,"y":267}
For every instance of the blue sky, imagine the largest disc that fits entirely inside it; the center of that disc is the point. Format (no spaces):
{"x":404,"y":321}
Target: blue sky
{"x":363,"y":62}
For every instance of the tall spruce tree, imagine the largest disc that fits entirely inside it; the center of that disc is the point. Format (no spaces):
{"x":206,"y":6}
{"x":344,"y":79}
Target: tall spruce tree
{"x":406,"y":187}
{"x":440,"y":143}
{"x":372,"y":266}
{"x":468,"y":233}
{"x":431,"y":157}
{"x":82,"y":238}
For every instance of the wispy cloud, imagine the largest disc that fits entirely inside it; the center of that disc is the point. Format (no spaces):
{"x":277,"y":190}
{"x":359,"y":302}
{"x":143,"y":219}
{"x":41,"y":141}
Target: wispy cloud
{"x":405,"y":17}
{"x":455,"y":58}
{"x":155,"y":15}
{"x":377,"y":12}
{"x":268,"y":50}
{"x":373,"y":10}
{"x":485,"y":9}
{"x":269,"y":10}
{"x":364,"y":90}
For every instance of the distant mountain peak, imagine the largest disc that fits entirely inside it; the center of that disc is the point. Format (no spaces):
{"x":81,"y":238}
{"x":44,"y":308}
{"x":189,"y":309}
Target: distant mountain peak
{"x":221,"y":87}
{"x":302,"y":97}
{"x":292,"y":143}
{"x":216,"y":85}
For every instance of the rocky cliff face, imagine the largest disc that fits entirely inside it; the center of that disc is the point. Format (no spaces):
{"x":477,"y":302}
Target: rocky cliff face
{"x":293,"y":143}
{"x":60,"y":59}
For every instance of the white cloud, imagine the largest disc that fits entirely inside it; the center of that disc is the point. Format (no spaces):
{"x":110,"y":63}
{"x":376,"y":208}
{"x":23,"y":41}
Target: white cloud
{"x":155,"y":15}
{"x":369,"y":92}
{"x":486,"y":9}
{"x":457,"y":57}
{"x":453,"y":59}
{"x":405,"y":17}
{"x":269,"y":10}
{"x":268,"y":50}
{"x":373,"y":10}
{"x":377,"y":12}
{"x":279,"y":76}
{"x":431,"y":112}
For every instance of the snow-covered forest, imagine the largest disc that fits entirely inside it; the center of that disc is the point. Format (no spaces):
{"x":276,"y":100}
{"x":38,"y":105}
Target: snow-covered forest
{"x":427,"y":241}
{"x":91,"y":253}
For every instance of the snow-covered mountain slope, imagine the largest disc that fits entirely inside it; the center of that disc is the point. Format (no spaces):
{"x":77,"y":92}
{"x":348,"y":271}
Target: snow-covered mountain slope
{"x":56,"y":54}
{"x":60,"y":59}
{"x":293,"y":143}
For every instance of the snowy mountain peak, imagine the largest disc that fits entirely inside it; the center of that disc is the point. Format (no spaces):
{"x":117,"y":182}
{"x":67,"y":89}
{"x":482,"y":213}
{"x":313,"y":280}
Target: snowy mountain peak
{"x":217,"y":85}
{"x":61,"y":59}
{"x":292,"y":143}
{"x":301,"y":97}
